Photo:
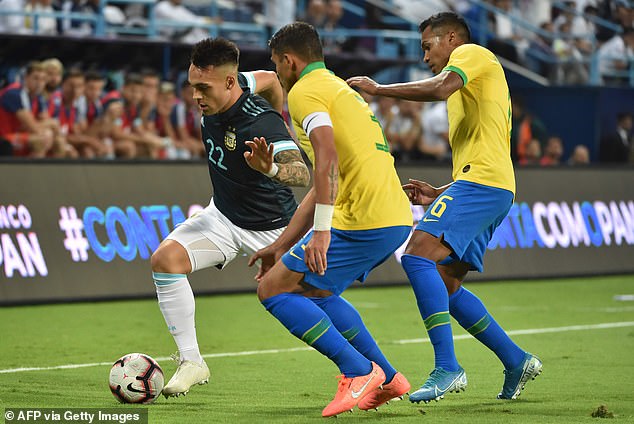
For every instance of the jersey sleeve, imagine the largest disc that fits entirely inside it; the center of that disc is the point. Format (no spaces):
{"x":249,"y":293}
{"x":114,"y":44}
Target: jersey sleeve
{"x":247,"y":80}
{"x":271,"y":126}
{"x":467,"y":61}
{"x":12,"y":101}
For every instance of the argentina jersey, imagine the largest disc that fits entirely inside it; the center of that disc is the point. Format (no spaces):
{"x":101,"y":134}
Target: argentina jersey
{"x":247,"y":197}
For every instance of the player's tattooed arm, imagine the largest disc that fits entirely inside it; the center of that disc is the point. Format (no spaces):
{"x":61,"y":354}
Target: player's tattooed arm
{"x":292,"y":169}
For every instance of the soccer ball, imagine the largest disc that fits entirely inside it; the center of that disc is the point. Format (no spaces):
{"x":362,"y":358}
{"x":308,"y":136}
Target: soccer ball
{"x":136,"y":378}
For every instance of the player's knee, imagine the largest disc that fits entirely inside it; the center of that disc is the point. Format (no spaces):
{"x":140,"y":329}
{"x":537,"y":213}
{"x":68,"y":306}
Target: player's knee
{"x":170,"y":257}
{"x":264,"y":291}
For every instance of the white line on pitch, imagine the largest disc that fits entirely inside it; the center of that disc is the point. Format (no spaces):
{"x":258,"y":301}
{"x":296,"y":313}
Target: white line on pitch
{"x":302,"y":349}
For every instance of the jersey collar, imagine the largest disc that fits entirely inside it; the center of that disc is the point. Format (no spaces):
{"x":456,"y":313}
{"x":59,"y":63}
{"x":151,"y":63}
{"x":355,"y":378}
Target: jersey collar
{"x":311,"y":67}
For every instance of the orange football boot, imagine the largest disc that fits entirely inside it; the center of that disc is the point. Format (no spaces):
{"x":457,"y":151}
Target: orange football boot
{"x":394,"y":389}
{"x":352,"y":389}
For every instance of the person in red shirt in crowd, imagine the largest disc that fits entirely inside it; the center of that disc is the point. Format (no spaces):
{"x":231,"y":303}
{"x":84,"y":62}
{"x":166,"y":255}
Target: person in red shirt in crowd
{"x":553,"y":152}
{"x":54,"y":70}
{"x":24,"y":119}
{"x":131,"y":128}
{"x":192,"y":112}
{"x":90,"y":106}
{"x":171,"y":122}
{"x":63,"y":106}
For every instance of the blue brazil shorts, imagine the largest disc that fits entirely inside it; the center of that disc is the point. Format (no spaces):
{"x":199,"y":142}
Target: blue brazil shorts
{"x":466,"y":215}
{"x":351,"y":255}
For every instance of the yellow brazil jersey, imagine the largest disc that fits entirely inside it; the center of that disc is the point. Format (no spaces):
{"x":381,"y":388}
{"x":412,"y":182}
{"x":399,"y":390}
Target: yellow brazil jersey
{"x":370,"y":194}
{"x":480,"y":119}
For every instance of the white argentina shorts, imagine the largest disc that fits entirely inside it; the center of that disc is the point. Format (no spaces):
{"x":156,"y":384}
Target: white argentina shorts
{"x":209,"y":231}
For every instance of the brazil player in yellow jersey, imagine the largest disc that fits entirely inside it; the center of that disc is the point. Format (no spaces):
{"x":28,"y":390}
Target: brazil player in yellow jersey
{"x":359,"y":216}
{"x":452,"y":237}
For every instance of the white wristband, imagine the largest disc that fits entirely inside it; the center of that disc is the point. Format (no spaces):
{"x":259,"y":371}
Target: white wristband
{"x":323,"y":217}
{"x":273,"y":172}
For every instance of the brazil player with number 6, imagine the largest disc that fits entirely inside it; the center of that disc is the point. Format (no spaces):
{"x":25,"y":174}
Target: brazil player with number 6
{"x":452,"y":237}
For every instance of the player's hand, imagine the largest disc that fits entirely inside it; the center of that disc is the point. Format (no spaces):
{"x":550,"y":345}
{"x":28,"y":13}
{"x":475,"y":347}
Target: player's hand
{"x":260,"y":157}
{"x":364,"y":84}
{"x":420,"y":192}
{"x":267,"y":256}
{"x":315,"y":252}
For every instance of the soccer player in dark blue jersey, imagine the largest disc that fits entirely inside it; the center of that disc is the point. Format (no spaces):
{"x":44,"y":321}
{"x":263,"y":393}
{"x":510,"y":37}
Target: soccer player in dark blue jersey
{"x":252,"y":160}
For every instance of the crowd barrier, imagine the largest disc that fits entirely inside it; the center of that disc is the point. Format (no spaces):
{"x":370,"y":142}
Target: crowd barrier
{"x":85,"y":231}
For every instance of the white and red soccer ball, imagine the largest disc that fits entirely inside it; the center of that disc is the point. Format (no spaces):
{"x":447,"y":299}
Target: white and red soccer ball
{"x":136,"y":378}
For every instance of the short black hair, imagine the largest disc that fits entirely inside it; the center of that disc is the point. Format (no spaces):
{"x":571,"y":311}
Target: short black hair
{"x":298,"y":38}
{"x":93,"y":76}
{"x":133,"y":79}
{"x":73,"y":73}
{"x":215,"y":52}
{"x":149,"y":72}
{"x":448,"y":20}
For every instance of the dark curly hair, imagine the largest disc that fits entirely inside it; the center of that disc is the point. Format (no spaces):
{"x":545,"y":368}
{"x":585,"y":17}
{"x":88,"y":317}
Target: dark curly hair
{"x":214,"y":52}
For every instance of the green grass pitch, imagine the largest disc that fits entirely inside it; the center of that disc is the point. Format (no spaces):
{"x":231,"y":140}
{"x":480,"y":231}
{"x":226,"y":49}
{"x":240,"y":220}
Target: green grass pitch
{"x":257,"y":377}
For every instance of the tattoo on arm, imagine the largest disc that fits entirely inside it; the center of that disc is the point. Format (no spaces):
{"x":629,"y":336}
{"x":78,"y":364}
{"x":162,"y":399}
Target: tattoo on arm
{"x":333,"y":176}
{"x":292,"y":169}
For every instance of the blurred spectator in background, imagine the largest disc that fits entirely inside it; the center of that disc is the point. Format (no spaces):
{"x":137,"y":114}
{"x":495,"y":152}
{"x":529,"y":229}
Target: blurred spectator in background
{"x":279,"y":13}
{"x":76,"y":27}
{"x":407,"y":131}
{"x":509,"y":40}
{"x":173,"y":10}
{"x":525,"y":128}
{"x":192,"y":114}
{"x":131,"y":127}
{"x":89,"y":105}
{"x":54,"y":70}
{"x":624,"y":14}
{"x":540,"y":56}
{"x":334,"y":13}
{"x":165,"y":123}
{"x":40,"y":25}
{"x":110,"y":128}
{"x":147,"y":105}
{"x":24,"y":119}
{"x":533,"y":154}
{"x":580,"y":156}
{"x":615,"y":56}
{"x":615,"y":147}
{"x":63,"y":107}
{"x":315,"y":13}
{"x":435,"y":142}
{"x":572,"y":69}
{"x":170,"y":122}
{"x":553,"y":152}
{"x":12,"y":23}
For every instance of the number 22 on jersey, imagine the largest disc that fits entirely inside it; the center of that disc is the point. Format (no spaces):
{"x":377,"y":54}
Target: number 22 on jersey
{"x":221,"y":154}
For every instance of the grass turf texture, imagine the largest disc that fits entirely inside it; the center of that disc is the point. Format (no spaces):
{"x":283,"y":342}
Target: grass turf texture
{"x":582,"y":369}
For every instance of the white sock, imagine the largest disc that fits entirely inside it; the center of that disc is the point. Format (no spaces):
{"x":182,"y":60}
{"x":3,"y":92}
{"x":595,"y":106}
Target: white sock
{"x":176,"y":301}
